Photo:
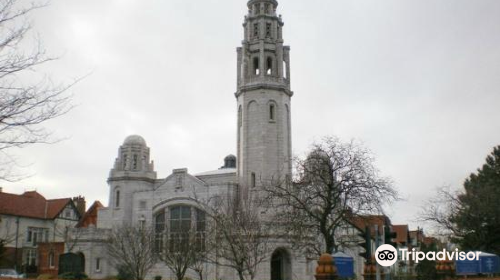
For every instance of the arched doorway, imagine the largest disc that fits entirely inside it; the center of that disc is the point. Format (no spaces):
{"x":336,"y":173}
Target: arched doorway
{"x":281,"y":265}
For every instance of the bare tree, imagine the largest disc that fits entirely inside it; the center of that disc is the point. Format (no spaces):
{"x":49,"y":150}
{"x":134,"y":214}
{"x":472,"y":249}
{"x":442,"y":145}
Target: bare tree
{"x":132,"y":250}
{"x":334,"y":183}
{"x":26,"y":100}
{"x":439,"y":209}
{"x":238,"y":234}
{"x":183,"y":250}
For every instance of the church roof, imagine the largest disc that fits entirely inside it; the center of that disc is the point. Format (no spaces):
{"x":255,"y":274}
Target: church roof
{"x":217,"y":172}
{"x":31,"y":204}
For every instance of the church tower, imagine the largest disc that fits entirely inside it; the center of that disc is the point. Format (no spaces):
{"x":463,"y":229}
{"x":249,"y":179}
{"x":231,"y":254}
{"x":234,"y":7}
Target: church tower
{"x":263,"y":96}
{"x":132,"y":172}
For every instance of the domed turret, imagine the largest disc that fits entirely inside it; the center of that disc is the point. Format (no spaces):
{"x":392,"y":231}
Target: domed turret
{"x":229,"y":162}
{"x":134,"y":140}
{"x":133,"y":156}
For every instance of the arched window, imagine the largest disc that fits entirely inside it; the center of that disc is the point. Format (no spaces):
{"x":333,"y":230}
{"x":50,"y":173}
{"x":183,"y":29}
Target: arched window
{"x":117,"y":198}
{"x":269,"y":70}
{"x":256,"y":66}
{"x":271,"y":112}
{"x":51,"y":259}
{"x":186,"y":225}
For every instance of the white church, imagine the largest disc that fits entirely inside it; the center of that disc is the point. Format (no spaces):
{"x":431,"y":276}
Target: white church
{"x":138,"y":196}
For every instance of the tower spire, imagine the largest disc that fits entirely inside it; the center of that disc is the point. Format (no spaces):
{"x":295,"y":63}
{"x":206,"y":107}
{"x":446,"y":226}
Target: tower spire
{"x":263,"y":95}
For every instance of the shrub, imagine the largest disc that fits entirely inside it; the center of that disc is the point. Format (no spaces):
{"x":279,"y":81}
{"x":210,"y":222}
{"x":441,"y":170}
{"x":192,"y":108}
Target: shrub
{"x":158,"y":277}
{"x":73,"y":275}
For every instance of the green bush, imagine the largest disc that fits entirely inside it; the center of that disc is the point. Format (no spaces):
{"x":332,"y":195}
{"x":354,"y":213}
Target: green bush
{"x":73,"y":275}
{"x":158,"y":277}
{"x":124,"y":274}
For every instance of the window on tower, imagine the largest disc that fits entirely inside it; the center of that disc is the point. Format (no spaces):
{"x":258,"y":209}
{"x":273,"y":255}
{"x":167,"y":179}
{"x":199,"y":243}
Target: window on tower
{"x":240,"y":113}
{"x":269,"y":68}
{"x":268,"y":30}
{"x":285,"y":70}
{"x":117,"y":198}
{"x":124,"y":163}
{"x":271,"y":112}
{"x":134,"y":162}
{"x":256,"y":30}
{"x":256,"y":66}
{"x":253,"y":180}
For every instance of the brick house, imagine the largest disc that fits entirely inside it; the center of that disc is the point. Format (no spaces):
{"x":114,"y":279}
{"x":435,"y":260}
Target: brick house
{"x":34,"y":229}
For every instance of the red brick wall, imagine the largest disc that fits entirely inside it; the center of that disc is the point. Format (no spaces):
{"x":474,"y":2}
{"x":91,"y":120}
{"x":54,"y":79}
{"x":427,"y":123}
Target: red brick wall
{"x":44,"y":250}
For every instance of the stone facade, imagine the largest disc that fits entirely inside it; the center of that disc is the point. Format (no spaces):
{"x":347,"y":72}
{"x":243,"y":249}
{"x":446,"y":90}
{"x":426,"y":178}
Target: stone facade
{"x":138,"y":197}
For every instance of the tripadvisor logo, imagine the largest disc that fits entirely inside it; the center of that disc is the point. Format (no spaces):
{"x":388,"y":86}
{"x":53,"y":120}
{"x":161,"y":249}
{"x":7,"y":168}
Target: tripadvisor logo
{"x":387,"y":255}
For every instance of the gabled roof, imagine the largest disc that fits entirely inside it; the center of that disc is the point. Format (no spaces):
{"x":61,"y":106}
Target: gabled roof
{"x":90,"y":217}
{"x":32,"y":205}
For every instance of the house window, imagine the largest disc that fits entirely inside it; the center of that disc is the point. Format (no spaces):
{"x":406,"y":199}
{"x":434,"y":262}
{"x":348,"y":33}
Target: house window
{"x":253,"y":180}
{"x":35,"y":235}
{"x":51,"y":259}
{"x":97,"y":264}
{"x":31,"y":257}
{"x":117,"y":199}
{"x":271,"y":112}
{"x":67,"y":213}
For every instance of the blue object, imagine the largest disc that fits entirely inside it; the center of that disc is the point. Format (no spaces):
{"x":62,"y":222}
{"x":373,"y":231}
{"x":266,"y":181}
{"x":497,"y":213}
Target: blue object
{"x":489,"y":264}
{"x":344,"y":264}
{"x":467,"y":267}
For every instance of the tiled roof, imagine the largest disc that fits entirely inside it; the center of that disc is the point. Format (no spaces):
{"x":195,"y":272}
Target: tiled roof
{"x":370,"y":220}
{"x":31,"y":204}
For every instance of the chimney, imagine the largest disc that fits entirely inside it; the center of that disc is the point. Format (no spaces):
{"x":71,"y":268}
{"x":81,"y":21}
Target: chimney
{"x":80,"y":204}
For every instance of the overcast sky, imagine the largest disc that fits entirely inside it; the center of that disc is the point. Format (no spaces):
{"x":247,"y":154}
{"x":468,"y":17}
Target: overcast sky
{"x":418,"y":81}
